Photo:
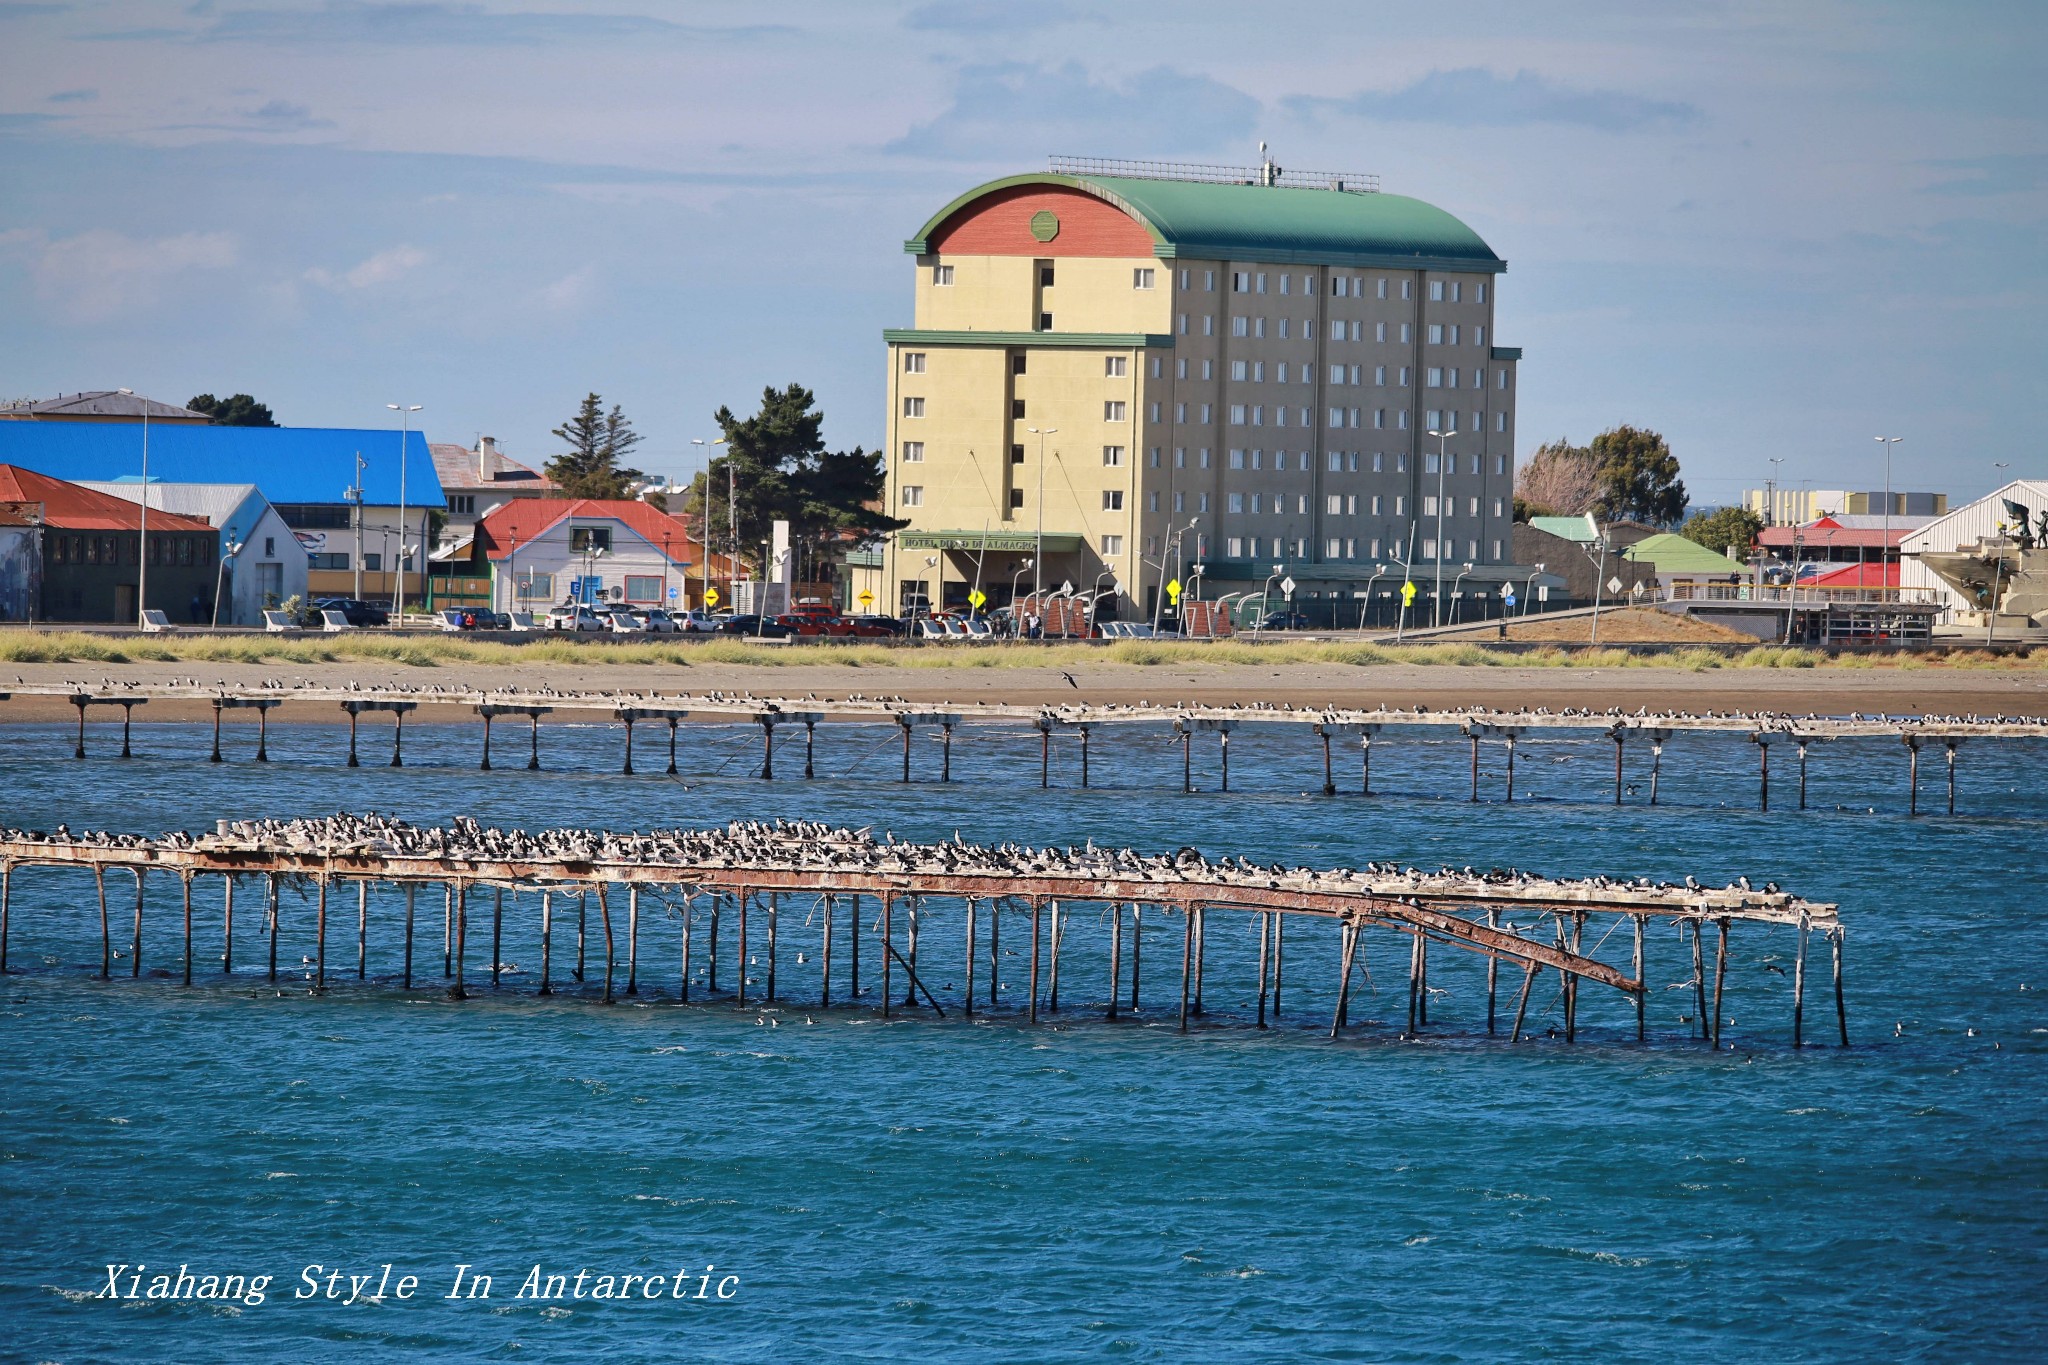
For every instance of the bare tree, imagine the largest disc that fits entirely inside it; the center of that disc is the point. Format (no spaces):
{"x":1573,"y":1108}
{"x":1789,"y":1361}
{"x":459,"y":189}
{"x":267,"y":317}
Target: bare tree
{"x":1561,"y":479}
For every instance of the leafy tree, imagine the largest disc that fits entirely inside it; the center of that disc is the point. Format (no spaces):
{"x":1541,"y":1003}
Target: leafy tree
{"x":1638,"y":477}
{"x":1560,"y":480}
{"x":237,"y":410}
{"x":597,"y":441}
{"x":777,"y":467}
{"x":1736,"y":526}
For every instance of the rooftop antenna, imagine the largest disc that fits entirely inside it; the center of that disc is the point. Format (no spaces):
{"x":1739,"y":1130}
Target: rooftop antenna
{"x":1269,"y":174}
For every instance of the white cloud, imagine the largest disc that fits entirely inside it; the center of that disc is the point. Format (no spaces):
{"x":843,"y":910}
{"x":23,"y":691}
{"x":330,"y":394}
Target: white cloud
{"x":101,"y":274}
{"x":572,"y":291}
{"x":382,"y":268}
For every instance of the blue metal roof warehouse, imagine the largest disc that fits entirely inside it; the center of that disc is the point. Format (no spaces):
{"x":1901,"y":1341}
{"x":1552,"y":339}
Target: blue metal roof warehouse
{"x":290,"y":464}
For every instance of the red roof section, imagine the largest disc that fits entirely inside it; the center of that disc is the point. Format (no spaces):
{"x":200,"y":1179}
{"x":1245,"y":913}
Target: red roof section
{"x":1826,"y":533}
{"x":524,"y":520}
{"x":1858,"y":576}
{"x":67,"y":507}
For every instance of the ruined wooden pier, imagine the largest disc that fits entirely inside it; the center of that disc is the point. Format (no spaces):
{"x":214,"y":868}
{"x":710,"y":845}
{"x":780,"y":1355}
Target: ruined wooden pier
{"x":1327,"y":726}
{"x":741,"y":874}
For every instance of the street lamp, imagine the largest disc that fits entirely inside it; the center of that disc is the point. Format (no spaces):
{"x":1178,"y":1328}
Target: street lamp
{"x":1529,"y":588}
{"x":1457,"y":597}
{"x":398,"y":594}
{"x":228,"y":551}
{"x":1885,"y":550}
{"x":592,"y":552}
{"x":354,"y":494}
{"x":1771,"y":492}
{"x":142,"y":526}
{"x":706,"y":516}
{"x":1038,"y":575}
{"x":936,"y":564}
{"x":1021,"y":567}
{"x":1378,"y":572}
{"x":1436,"y":611}
{"x":1264,"y":593}
{"x":1159,"y":603}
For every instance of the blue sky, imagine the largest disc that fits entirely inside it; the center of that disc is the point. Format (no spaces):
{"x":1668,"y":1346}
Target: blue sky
{"x":1764,"y":229}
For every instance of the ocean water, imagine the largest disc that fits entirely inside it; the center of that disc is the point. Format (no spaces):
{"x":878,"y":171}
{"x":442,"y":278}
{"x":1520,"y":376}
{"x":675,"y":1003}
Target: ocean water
{"x":987,"y":1190}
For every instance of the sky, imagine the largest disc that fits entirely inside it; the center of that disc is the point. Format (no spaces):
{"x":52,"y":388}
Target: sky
{"x":1766,"y":230}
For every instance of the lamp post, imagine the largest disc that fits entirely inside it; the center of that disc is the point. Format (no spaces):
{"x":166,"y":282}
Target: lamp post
{"x":1599,"y":580}
{"x":1436,"y":610}
{"x":1159,"y":603}
{"x":1015,"y":624}
{"x":142,"y":526}
{"x":1378,"y":572}
{"x":1458,"y":597}
{"x":228,"y":550}
{"x":1885,"y":550}
{"x":354,"y":494}
{"x":1038,"y":558}
{"x":1264,"y":593}
{"x":1529,"y":588}
{"x":1771,"y":492}
{"x":398,"y":593}
{"x":716,"y":441}
{"x":936,"y":564}
{"x":592,"y":552}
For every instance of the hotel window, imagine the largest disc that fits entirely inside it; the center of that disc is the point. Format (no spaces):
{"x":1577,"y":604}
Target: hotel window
{"x":1336,"y":462}
{"x":1451,"y":378}
{"x":1233,"y":547}
{"x":1472,"y":509}
{"x":1240,"y":282}
{"x":1141,"y":277}
{"x":1479,"y":294}
{"x":1436,"y":291}
{"x":913,"y":452}
{"x":1475,"y":461}
{"x":1258,"y":503}
{"x":1240,"y":370}
{"x":1258,"y":414}
{"x":1334,"y":547}
{"x":1203,"y":463}
{"x":1400,"y":505}
{"x":1017,"y":363}
{"x":1500,"y":422}
{"x":1112,"y":499}
{"x":1429,"y":459}
{"x":1379,"y":375}
{"x":1258,"y":327}
{"x":1045,"y":274}
{"x":1436,"y":334}
{"x":1112,"y":546}
{"x":1180,"y":502}
{"x":1155,"y":412}
{"x":1258,"y":459}
{"x":1115,"y":366}
{"x":1434,"y":377}
{"x":1379,"y":419}
{"x":1283,"y":326}
{"x":1400,"y":465}
{"x":1503,"y":382}
{"x":1500,"y":464}
{"x":1500,"y":507}
{"x":1333,"y":504}
{"x":1407,"y":289}
{"x":1157,"y":455}
{"x":913,"y":362}
{"x":1180,"y":368}
{"x":1284,"y":284}
{"x":1237,"y":414}
{"x":1261,"y":277}
{"x":1471,"y":549}
{"x":1237,"y":459}
{"x":913,"y":407}
{"x":1454,"y":333}
{"x":1016,"y":498}
{"x":1017,"y":408}
{"x":1208,"y":281}
{"x":1113,"y":455}
{"x":942,"y":274}
{"x":1158,"y":367}
{"x":1357,"y":374}
{"x":913,"y":495}
{"x":1205,"y":414}
{"x":1208,"y":369}
{"x":1240,"y":327}
{"x":1180,"y":412}
{"x":1208,"y":326}
{"x":1478,"y":336}
{"x":1351,"y":461}
{"x":1404,"y":377}
{"x":1496,"y":544}
{"x":1456,"y":290}
{"x":1016,"y":454}
{"x":1113,"y":410}
{"x":1376,"y":507}
{"x":1233,"y":502}
{"x":1183,"y":279}
{"x":1336,"y":374}
{"x":1401,"y":420}
{"x":1045,"y":322}
{"x":1201,"y":502}
{"x":1180,"y":457}
{"x":1181,"y":326}
{"x":1351,"y":504}
{"x":1381,"y":291}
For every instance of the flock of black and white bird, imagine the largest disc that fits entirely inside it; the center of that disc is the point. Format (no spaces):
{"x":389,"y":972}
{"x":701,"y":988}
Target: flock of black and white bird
{"x":811,"y":847}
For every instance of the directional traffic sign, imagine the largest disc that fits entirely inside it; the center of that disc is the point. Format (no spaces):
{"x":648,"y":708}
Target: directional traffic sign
{"x":866,"y":598}
{"x":1507,"y":596}
{"x":1614,"y":585}
{"x":1407,"y":594}
{"x":977,"y":599}
{"x":710,"y":597}
{"x":1287,"y":585}
{"x":1173,"y":592}
{"x":674,"y":593}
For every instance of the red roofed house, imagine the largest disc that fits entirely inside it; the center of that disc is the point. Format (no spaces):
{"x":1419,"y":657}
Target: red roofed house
{"x":91,"y":564}
{"x":544,"y":551}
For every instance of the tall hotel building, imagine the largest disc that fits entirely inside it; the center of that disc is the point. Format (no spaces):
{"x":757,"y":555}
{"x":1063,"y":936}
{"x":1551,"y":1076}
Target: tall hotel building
{"x":1140,"y":369}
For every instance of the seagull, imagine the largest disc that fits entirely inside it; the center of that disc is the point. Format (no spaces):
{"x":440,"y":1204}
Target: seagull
{"x":1070,"y":680}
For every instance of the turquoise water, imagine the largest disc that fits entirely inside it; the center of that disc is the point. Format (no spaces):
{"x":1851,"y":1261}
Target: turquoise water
{"x":988,"y":1190}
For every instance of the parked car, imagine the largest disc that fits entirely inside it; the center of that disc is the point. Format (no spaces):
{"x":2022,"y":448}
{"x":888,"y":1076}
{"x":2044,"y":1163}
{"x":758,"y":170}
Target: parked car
{"x":1281,"y":620}
{"x":357,"y":613}
{"x":799,"y":623}
{"x":469,"y":618}
{"x":864,"y":627}
{"x":755,"y":626}
{"x":574,"y":618}
{"x":655,"y":621}
{"x":620,"y":621}
{"x":500,"y":620}
{"x":698,"y":620}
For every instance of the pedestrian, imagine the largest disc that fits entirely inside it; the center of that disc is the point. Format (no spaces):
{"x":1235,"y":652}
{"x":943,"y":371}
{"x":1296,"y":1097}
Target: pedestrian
{"x":198,"y":609}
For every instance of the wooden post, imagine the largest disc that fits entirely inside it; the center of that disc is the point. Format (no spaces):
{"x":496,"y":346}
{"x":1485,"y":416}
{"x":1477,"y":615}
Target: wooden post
{"x":547,"y":942}
{"x":486,"y":764}
{"x":79,"y":751}
{"x":409,"y":889}
{"x":767,"y":749}
{"x":968,"y":994}
{"x":1223,"y":737}
{"x":271,"y":897}
{"x":1116,"y":954}
{"x":740,"y":904}
{"x":689,"y":914}
{"x":1763,"y":758}
{"x":1137,"y":946}
{"x":946,"y":750}
{"x":711,"y":960}
{"x":1720,"y":976}
{"x":460,"y":990}
{"x":135,"y":948}
{"x":774,"y":924}
{"x":914,"y":914}
{"x":1799,"y":985}
{"x":633,"y":939}
{"x":1642,"y":994}
{"x":1187,"y":958}
{"x":362,"y":930}
{"x":352,"y":717}
{"x":216,"y":734}
{"x":99,"y":876}
{"x":825,"y":963}
{"x":1511,"y":770}
{"x":1475,"y":769}
{"x":447,"y":930}
{"x":398,"y":739}
{"x":185,"y":881}
{"x":1656,"y":767}
{"x":1037,"y":907}
{"x":320,"y":950}
{"x":888,"y":937}
{"x":1616,"y":737}
{"x":995,"y":944}
{"x":810,"y":748}
{"x":1044,"y":752}
{"x":1365,"y":764}
{"x":127,"y":721}
{"x":604,"y":912}
{"x":1571,"y":999}
{"x":1699,"y":979}
{"x":1347,"y":934}
{"x":497,"y":933}
{"x":263,"y":734}
{"x":1841,"y":1009}
{"x":227,"y":926}
{"x":1329,"y":776}
{"x":853,"y":952}
{"x":1912,"y":775}
{"x":1422,"y":967}
{"x":1059,"y":934}
{"x":906,"y":776}
{"x":1802,"y":773}
{"x":1951,"y":746}
{"x":1492,"y":972}
{"x":1265,"y":933}
{"x":628,"y":769}
{"x":1187,"y":760}
{"x":1414,"y":982}
{"x":671,"y":746}
{"x":1201,"y":946}
{"x":1279,"y":957}
{"x":582,"y":931}
{"x":533,"y":754}
{"x":1522,"y":1002}
{"x":6,"y":908}
{"x":1084,"y":729}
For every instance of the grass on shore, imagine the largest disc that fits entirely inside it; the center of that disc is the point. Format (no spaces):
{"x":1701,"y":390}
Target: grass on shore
{"x":430,"y":652}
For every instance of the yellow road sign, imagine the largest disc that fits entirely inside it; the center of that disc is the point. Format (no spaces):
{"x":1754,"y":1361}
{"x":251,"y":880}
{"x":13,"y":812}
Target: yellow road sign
{"x":710,"y":597}
{"x":866,"y":598}
{"x":1173,"y":592}
{"x":977,"y":599}
{"x":1407,"y":594}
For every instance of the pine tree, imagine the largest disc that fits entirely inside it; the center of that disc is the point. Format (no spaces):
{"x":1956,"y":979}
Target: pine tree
{"x":597,"y":441}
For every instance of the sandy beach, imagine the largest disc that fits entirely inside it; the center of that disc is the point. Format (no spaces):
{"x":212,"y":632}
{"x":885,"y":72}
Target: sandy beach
{"x":1823,"y":691}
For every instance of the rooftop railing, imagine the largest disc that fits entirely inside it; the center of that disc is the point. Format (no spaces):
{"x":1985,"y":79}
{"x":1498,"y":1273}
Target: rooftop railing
{"x":1345,"y":182}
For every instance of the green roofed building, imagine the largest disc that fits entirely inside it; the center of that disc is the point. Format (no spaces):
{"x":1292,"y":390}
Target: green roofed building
{"x":1675,"y":557}
{"x":1123,"y":371}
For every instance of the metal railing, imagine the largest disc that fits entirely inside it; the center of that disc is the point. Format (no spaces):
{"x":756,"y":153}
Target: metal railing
{"x":1818,"y":597}
{"x":1346,"y":182}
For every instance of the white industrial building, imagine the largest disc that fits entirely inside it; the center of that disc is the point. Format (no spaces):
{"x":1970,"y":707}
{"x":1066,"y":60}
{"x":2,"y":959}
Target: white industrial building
{"x":1966,"y":525}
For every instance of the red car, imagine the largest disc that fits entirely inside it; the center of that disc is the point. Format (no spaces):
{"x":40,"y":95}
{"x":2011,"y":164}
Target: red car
{"x":804,"y":624}
{"x":858,"y":628}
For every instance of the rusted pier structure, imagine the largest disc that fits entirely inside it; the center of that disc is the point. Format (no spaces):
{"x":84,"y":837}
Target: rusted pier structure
{"x":749,"y":871}
{"x":1081,"y":720}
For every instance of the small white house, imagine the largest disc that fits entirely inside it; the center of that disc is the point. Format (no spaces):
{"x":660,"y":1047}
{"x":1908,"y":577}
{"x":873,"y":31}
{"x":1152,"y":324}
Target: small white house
{"x":270,"y":564}
{"x":545,"y":551}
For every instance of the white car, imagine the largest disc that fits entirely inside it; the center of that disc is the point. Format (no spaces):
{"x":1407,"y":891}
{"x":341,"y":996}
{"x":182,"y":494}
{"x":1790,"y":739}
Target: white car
{"x":574,"y":618}
{"x":698,"y":621}
{"x":620,"y":621}
{"x":655,"y":621}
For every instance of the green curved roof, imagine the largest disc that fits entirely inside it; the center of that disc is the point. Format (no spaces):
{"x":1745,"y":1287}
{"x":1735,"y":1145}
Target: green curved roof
{"x":1206,"y":221}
